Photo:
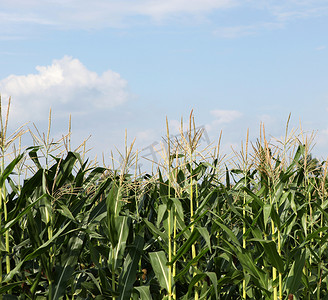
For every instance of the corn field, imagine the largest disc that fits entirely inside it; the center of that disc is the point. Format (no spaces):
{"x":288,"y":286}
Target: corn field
{"x":201,"y":226}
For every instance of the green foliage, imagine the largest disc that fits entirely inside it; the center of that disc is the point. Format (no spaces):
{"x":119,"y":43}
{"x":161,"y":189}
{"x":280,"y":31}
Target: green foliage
{"x":196,"y":229}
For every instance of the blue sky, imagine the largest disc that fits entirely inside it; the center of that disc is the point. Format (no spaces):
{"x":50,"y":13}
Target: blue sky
{"x":116,"y":65}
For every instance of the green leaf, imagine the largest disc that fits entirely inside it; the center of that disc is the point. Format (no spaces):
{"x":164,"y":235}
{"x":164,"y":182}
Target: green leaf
{"x":187,"y":227}
{"x":214,"y":280}
{"x":33,"y":155}
{"x":13,"y":220}
{"x":266,"y":213}
{"x":123,"y":232}
{"x":168,"y":222}
{"x":8,"y":170}
{"x":275,"y":218}
{"x":178,"y":207}
{"x":162,"y":208}
{"x":180,"y":178}
{"x":10,"y":286}
{"x":40,"y":250}
{"x":190,"y":263}
{"x":64,"y":210}
{"x":114,"y":200}
{"x":195,"y":279}
{"x":65,"y":168}
{"x":186,"y":246}
{"x":68,"y":265}
{"x":144,"y":292}
{"x":229,"y":232}
{"x":158,"y":261}
{"x":156,"y":232}
{"x":293,"y":280}
{"x":254,"y":196}
{"x":299,"y":152}
{"x":248,"y":264}
{"x":204,"y":233}
{"x":129,"y":271}
{"x":273,"y":256}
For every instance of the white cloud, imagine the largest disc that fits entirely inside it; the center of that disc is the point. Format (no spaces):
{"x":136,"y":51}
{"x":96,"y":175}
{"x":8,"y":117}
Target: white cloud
{"x":245,"y":30}
{"x":175,"y":126}
{"x":235,"y":31}
{"x":23,"y":18}
{"x":278,"y":16}
{"x":72,"y":14}
{"x":146,"y":137}
{"x":101,"y":13}
{"x":293,"y":9}
{"x":320,"y":48}
{"x":267,"y":120}
{"x":165,"y":8}
{"x":66,"y":85}
{"x":225,"y":116}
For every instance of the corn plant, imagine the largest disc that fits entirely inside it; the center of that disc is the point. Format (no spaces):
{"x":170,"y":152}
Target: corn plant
{"x":201,"y":226}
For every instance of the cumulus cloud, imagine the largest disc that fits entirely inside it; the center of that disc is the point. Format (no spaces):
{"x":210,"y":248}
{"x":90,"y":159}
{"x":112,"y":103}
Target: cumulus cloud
{"x":66,"y":85}
{"x":225,"y":116}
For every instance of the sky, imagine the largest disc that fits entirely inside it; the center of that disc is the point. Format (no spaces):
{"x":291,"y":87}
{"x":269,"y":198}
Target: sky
{"x":124,"y":66}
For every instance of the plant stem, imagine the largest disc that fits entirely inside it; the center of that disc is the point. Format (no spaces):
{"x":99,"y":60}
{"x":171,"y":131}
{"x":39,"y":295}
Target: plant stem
{"x":170,"y":241}
{"x":169,"y":208}
{"x":3,"y":206}
{"x":1,"y":238}
{"x":174,"y":249}
{"x":274,"y":270}
{"x":113,"y":274}
{"x":170,"y":253}
{"x":280,"y":274}
{"x":244,"y":238}
{"x":244,"y":156}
